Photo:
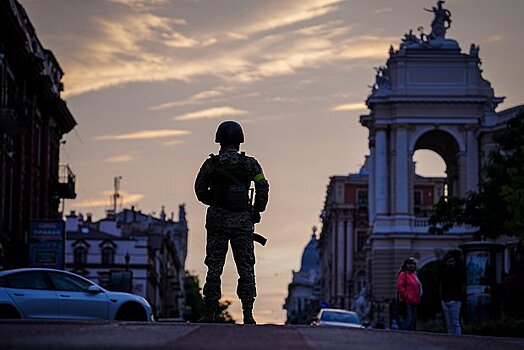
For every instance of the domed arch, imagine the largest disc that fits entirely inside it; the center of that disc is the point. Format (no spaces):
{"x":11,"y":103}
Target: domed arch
{"x":448,"y":147}
{"x":458,"y":138}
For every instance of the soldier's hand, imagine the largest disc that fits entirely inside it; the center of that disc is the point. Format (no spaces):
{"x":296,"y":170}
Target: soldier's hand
{"x":255,"y":217}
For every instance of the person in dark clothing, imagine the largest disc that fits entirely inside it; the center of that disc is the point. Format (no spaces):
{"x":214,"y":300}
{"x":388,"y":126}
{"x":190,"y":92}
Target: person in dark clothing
{"x":223,"y":183}
{"x":452,"y":285}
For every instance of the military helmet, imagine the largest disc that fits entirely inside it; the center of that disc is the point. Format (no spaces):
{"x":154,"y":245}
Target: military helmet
{"x":229,"y":133}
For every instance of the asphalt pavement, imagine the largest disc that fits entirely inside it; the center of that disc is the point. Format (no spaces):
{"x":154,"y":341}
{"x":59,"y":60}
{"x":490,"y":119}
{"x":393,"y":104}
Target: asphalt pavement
{"x":132,"y":335}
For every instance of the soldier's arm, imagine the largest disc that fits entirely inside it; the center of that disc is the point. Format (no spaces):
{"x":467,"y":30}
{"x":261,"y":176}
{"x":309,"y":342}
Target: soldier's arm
{"x":261,"y":188}
{"x":202,"y":184}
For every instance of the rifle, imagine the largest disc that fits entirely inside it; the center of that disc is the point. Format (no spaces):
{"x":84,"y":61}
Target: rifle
{"x":256,"y":236}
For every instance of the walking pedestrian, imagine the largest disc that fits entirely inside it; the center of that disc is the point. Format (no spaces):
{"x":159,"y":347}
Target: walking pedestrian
{"x":409,"y":291}
{"x":451,"y":290}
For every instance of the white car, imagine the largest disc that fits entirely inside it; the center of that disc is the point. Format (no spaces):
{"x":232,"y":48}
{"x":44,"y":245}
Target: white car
{"x":36,"y":293}
{"x":337,"y":317}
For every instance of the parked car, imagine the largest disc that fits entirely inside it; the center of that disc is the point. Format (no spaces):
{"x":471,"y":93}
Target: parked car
{"x":37,"y":293}
{"x":337,"y":317}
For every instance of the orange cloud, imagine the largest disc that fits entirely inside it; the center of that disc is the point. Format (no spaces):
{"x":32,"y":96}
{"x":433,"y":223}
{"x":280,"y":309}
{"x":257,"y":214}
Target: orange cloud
{"x":127,"y":198}
{"x":144,"y":134}
{"x":211,"y":113}
{"x":350,"y":107}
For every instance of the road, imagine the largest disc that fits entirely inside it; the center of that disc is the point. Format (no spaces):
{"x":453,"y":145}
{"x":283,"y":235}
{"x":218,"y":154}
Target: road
{"x":180,"y":336}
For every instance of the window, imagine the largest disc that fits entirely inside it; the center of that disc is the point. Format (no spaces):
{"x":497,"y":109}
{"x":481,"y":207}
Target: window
{"x":362,"y":197}
{"x":80,"y":256}
{"x":108,"y":256}
{"x":64,"y":281}
{"x":29,"y":280}
{"x":417,"y":202}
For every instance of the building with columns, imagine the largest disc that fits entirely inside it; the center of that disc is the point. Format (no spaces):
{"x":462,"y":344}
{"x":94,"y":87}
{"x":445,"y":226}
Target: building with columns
{"x":344,"y":239}
{"x":429,"y":95}
{"x":303,"y":299}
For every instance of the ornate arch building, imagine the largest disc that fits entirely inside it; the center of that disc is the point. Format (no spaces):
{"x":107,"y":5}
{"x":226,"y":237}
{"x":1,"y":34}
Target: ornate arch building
{"x":429,"y":95}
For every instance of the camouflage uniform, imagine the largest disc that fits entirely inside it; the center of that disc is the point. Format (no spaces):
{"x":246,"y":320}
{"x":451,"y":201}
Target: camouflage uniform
{"x":225,"y":226}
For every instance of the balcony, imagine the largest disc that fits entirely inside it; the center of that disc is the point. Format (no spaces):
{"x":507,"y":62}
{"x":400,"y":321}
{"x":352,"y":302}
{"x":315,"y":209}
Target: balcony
{"x":66,"y":183}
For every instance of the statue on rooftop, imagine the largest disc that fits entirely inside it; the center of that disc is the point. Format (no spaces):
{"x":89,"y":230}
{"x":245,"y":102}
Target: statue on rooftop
{"x":381,"y":79}
{"x":410,"y":39}
{"x":441,"y":22}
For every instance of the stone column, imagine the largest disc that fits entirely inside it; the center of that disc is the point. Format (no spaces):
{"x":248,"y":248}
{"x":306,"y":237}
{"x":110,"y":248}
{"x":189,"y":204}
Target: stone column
{"x":341,"y":255}
{"x":350,"y":246}
{"x":472,"y":181}
{"x":334,"y":266}
{"x":371,"y":186}
{"x":381,"y":178}
{"x":462,"y":173}
{"x":402,"y":172}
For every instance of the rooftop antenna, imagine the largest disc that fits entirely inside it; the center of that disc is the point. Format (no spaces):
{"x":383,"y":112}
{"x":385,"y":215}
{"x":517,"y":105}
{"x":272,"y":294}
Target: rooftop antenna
{"x":116,"y":195}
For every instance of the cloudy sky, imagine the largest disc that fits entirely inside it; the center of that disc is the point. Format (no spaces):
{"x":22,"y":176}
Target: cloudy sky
{"x":148,"y":81}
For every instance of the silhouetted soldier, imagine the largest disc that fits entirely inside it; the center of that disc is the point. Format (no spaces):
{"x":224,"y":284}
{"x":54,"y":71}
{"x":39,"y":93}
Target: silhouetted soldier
{"x":223,"y":183}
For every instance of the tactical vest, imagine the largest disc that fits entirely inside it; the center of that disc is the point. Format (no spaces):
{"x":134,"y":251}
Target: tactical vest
{"x":230,"y":184}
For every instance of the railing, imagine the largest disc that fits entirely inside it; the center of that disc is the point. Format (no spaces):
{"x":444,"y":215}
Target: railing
{"x":421,"y":222}
{"x":66,"y":182}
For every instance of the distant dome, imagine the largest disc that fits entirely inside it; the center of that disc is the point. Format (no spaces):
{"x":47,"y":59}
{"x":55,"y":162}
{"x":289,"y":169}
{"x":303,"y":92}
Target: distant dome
{"x":311,"y":256}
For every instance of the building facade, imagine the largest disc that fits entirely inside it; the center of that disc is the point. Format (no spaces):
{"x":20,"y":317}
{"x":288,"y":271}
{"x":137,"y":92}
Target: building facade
{"x":303,"y":300}
{"x":429,"y":95}
{"x":33,"y":120}
{"x":133,"y":252}
{"x":344,"y":242}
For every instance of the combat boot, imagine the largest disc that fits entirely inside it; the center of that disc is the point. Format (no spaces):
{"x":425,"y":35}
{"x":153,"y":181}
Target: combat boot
{"x":247,"y":310}
{"x":209,"y":313}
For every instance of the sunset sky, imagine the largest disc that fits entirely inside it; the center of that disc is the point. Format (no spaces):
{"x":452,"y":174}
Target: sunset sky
{"x":148,"y":82}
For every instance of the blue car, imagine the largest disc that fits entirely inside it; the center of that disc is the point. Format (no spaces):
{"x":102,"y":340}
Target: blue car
{"x":35,"y":293}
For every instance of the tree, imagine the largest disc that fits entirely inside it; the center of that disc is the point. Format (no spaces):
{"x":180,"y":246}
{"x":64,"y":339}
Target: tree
{"x":223,"y":315}
{"x":195,"y":303}
{"x":498,"y":208}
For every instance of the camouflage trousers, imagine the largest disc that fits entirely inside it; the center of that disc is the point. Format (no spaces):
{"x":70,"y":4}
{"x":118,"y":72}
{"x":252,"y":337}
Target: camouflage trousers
{"x":244,"y":255}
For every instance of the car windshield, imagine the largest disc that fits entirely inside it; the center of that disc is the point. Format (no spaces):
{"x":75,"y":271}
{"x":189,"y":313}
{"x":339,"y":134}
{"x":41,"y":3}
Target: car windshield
{"x":342,"y":317}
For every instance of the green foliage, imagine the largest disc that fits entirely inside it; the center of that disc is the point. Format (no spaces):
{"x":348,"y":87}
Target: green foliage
{"x":498,"y":208}
{"x":194,"y":302}
{"x":448,"y":211}
{"x":223,"y":315}
{"x":195,"y":307}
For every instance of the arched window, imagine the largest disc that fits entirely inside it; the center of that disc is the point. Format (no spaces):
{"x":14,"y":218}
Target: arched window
{"x":80,"y":256}
{"x":108,"y":256}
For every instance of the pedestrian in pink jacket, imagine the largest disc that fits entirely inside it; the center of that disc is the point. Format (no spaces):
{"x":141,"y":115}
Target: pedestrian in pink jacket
{"x":409,"y":291}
